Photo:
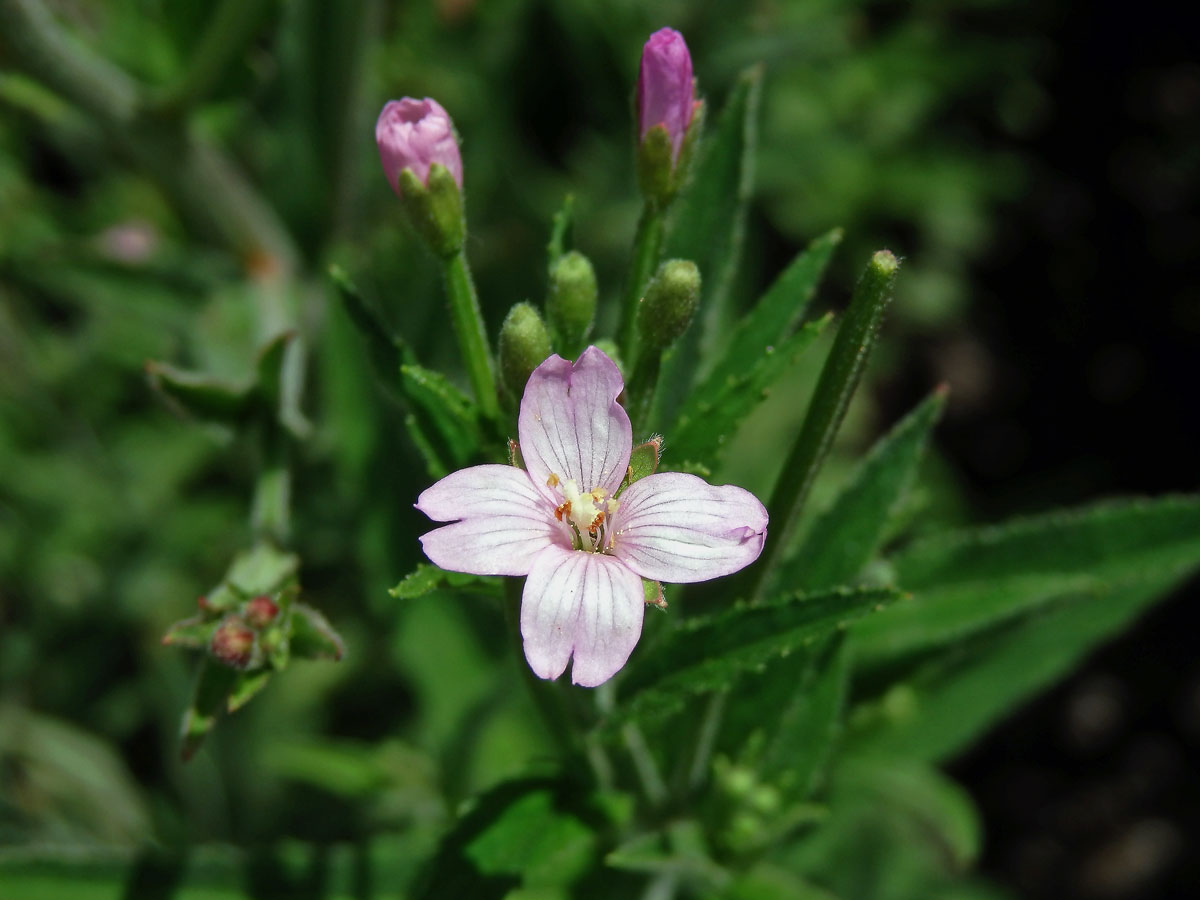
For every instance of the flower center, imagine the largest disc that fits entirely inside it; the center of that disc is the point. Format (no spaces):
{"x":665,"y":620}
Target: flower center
{"x":589,"y":515}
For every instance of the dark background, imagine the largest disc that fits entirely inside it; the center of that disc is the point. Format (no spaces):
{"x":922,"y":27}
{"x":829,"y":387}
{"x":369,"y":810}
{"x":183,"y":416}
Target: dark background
{"x":1094,"y":790}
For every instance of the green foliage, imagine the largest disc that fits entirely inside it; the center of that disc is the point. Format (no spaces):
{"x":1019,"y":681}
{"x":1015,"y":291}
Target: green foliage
{"x":706,"y":654}
{"x":842,"y":540}
{"x":1000,"y":612}
{"x":427,"y":578}
{"x":707,"y":422}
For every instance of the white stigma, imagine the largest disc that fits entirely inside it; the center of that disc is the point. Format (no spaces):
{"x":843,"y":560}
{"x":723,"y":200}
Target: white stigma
{"x":588,"y":513}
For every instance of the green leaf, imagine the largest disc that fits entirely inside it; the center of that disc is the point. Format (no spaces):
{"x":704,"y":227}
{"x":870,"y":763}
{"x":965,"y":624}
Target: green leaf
{"x":708,"y":219}
{"x":213,"y":684}
{"x":203,"y":396}
{"x":839,"y":379}
{"x":449,"y":414}
{"x":707,"y":226}
{"x":246,"y":688}
{"x":951,"y":699}
{"x":709,"y":653}
{"x":917,"y":827}
{"x":312,"y":635}
{"x":775,"y":315}
{"x":845,"y":537}
{"x":768,"y":882}
{"x":810,"y":723}
{"x":967,"y":581}
{"x":264,"y":569}
{"x":709,"y":420}
{"x":427,"y":578}
{"x":386,"y":351}
{"x":533,"y":833}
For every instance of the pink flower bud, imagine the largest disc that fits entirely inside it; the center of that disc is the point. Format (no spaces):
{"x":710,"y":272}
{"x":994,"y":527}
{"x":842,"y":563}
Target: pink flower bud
{"x":260,"y":611}
{"x":666,"y":93}
{"x":233,"y":643}
{"x":415,"y":134}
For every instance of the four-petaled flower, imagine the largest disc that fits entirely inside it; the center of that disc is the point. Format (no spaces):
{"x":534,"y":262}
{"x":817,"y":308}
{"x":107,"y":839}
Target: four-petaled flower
{"x":583,"y":538}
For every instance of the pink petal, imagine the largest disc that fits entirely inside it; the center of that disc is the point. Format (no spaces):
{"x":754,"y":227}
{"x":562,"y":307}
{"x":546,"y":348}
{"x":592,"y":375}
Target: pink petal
{"x":580,"y":603}
{"x":678,"y":528}
{"x":665,"y":91}
{"x":505,"y":523}
{"x":571,"y":424}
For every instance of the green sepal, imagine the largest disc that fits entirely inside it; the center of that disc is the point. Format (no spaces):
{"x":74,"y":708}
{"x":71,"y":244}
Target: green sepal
{"x":514,"y":454}
{"x":655,"y":167}
{"x":263,"y":569}
{"x":436,"y":210}
{"x":195,"y":632}
{"x":312,"y":635}
{"x":643,"y":460}
{"x":203,"y":396}
{"x":652,"y":593}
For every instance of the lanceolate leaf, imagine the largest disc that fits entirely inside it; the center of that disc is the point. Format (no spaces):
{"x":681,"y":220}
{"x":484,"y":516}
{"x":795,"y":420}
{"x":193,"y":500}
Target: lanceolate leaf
{"x":845,"y":537}
{"x":776,"y":314}
{"x":710,"y":420}
{"x":534,"y":833}
{"x":709,"y":218}
{"x":427,"y":578}
{"x":444,"y":410}
{"x":1058,"y":584}
{"x":710,"y":653}
{"x":707,"y":226}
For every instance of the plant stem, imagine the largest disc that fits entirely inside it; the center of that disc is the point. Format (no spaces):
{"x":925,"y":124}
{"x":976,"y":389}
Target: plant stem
{"x":653,"y":785}
{"x":639,"y":393}
{"x":647,"y":248}
{"x":840,"y":376}
{"x":270,"y":514}
{"x":471,"y":334}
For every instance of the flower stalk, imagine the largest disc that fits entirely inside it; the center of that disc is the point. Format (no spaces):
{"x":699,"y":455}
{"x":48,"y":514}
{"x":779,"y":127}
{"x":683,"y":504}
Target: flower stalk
{"x":839,"y":378}
{"x":469,"y":329}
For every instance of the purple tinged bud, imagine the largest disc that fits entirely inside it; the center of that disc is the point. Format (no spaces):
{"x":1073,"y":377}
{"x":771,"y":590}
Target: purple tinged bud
{"x":666,"y":93}
{"x":415,"y":134}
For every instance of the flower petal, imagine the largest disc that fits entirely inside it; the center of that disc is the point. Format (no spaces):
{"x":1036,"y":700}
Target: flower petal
{"x":580,"y":603}
{"x":505,"y":523}
{"x":678,"y":528}
{"x":571,"y":424}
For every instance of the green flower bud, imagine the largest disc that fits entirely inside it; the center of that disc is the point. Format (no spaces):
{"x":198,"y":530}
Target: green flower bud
{"x":669,"y":304}
{"x":524,"y":345}
{"x":571,"y":304}
{"x":436,"y":211}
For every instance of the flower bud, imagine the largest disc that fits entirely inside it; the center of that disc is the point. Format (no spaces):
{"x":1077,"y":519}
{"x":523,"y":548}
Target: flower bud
{"x":669,"y":304}
{"x":234,"y":643}
{"x":669,"y":116}
{"x":666,"y":94}
{"x":260,"y":611}
{"x":524,"y":345}
{"x":420,"y":157}
{"x":414,"y":134}
{"x":571,"y":304}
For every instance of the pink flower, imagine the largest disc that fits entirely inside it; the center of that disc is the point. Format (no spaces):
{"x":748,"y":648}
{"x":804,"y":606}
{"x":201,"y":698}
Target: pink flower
{"x":585,"y":544}
{"x":415,"y":134}
{"x":666,"y":94}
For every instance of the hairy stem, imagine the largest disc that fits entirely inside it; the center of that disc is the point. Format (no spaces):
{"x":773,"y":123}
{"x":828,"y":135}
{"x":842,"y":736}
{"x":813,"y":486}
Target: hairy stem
{"x":471,"y":334}
{"x":647,"y":248}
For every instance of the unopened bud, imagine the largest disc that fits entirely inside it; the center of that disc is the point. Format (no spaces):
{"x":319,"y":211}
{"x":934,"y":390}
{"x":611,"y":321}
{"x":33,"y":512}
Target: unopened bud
{"x":571,"y":303}
{"x":524,"y":345}
{"x":234,"y":643}
{"x":414,"y":134}
{"x":669,"y":304}
{"x":260,"y":611}
{"x":669,"y":115}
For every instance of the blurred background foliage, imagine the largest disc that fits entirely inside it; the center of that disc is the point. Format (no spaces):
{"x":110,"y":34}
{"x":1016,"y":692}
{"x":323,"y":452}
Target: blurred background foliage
{"x":187,"y":231}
